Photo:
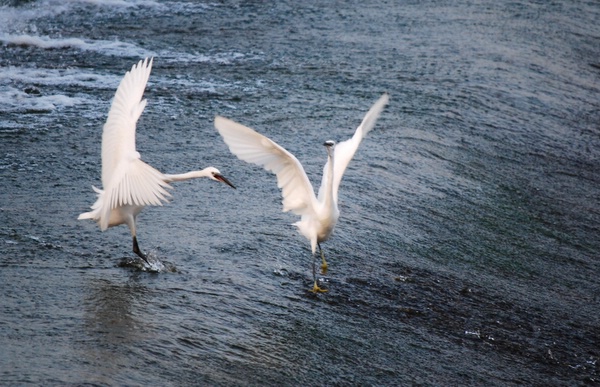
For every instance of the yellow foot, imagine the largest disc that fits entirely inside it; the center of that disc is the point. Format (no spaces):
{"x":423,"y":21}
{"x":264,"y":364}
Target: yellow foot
{"x":324,"y":265}
{"x":317,"y":289}
{"x":324,"y":268}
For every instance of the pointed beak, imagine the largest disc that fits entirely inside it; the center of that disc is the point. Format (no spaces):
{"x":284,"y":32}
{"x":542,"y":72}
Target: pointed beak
{"x":224,"y":180}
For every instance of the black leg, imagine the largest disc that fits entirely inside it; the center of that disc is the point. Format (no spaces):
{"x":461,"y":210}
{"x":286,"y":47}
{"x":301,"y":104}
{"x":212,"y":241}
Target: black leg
{"x":136,"y":249}
{"x":314,"y":268}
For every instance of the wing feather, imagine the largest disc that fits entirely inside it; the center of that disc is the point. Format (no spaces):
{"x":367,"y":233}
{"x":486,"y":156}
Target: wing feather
{"x":250,"y":146}
{"x":344,"y":151}
{"x":118,"y":137}
{"x":126,"y":179}
{"x":135,"y":184}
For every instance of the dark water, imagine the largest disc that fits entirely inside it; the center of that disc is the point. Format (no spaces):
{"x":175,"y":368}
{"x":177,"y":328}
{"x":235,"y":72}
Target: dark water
{"x":467,"y":252}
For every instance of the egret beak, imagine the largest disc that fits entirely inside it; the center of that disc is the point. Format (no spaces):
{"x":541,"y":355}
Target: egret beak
{"x":224,"y":180}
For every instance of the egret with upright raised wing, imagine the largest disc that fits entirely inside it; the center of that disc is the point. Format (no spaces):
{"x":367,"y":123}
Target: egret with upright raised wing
{"x":319,"y":214}
{"x":129,"y":184}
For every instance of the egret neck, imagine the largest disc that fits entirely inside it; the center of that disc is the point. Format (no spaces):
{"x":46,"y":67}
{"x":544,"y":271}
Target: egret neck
{"x":329,"y":201}
{"x":187,"y":176}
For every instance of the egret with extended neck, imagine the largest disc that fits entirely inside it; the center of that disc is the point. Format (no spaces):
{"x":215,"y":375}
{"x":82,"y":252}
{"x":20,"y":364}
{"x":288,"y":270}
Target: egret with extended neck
{"x":129,"y":184}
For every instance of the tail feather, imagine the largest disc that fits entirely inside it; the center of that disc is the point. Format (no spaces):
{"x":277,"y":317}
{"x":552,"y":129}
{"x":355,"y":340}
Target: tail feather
{"x":87,"y":215}
{"x":305,"y":230}
{"x":96,"y":207}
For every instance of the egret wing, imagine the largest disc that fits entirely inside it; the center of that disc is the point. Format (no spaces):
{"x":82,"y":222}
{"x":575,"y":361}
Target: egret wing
{"x":126,"y":179}
{"x":253,"y":147}
{"x":118,"y":137}
{"x":344,"y":151}
{"x":135,"y":183}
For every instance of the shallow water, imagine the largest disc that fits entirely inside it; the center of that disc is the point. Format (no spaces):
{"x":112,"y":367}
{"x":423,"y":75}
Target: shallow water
{"x":467,"y":250}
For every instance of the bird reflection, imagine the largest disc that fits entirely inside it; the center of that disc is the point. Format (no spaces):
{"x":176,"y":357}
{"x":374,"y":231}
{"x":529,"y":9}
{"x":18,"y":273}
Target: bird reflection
{"x":111,"y":327}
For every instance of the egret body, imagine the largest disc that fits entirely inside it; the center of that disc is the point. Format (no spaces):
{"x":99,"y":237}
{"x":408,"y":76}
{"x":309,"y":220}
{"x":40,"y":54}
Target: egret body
{"x":319,"y":214}
{"x":129,"y":184}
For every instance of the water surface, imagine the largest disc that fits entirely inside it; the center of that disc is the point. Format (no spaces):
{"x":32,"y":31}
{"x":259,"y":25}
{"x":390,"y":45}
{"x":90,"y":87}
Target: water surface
{"x":467,"y":247}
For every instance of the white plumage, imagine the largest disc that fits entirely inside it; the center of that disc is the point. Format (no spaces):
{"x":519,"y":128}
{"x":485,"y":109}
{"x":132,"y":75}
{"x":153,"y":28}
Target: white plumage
{"x":129,"y":184}
{"x":319,"y":214}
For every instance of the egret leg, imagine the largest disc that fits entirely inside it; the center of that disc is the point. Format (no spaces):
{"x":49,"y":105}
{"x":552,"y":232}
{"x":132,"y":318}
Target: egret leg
{"x":324,"y":265}
{"x":136,"y":249}
{"x":316,"y":288}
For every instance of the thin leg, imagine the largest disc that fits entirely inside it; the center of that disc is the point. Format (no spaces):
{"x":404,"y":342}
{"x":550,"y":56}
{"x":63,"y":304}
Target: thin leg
{"x":316,"y":288}
{"x":324,"y":265}
{"x":136,"y":249}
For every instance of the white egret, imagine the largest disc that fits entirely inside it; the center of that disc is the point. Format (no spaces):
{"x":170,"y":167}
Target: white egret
{"x":129,"y":184}
{"x":319,"y":214}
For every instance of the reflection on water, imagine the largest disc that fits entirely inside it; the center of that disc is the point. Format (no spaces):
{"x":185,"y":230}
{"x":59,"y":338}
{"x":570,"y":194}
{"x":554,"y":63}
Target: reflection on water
{"x":111,"y":324}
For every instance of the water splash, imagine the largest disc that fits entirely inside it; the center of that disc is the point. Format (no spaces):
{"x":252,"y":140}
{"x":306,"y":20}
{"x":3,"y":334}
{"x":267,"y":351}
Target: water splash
{"x":154,"y":264}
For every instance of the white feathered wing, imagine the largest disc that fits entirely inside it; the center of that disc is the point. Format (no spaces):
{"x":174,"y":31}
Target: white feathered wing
{"x":250,"y":146}
{"x":126,"y":179}
{"x":345,"y":150}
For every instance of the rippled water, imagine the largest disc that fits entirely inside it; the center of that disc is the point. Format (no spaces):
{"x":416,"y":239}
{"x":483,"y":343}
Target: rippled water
{"x":467,"y":250}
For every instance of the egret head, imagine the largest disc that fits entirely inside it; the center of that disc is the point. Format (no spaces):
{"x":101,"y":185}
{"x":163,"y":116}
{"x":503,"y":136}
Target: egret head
{"x":329,"y":144}
{"x":214,"y":174}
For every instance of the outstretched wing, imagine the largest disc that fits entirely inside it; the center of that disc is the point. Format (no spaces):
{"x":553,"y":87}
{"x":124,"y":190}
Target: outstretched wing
{"x":136,"y":184}
{"x":118,"y":137}
{"x":126,"y":179}
{"x":344,"y":151}
{"x":253,"y":147}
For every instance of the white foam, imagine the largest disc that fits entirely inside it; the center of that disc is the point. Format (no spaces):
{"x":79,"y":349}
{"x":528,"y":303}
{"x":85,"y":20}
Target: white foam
{"x":107,"y":47}
{"x":118,"y":48}
{"x":119,"y":3}
{"x":71,"y":77}
{"x":225,"y":58}
{"x":42,"y":42}
{"x":13,"y":100}
{"x":41,"y":84}
{"x":17,"y":26}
